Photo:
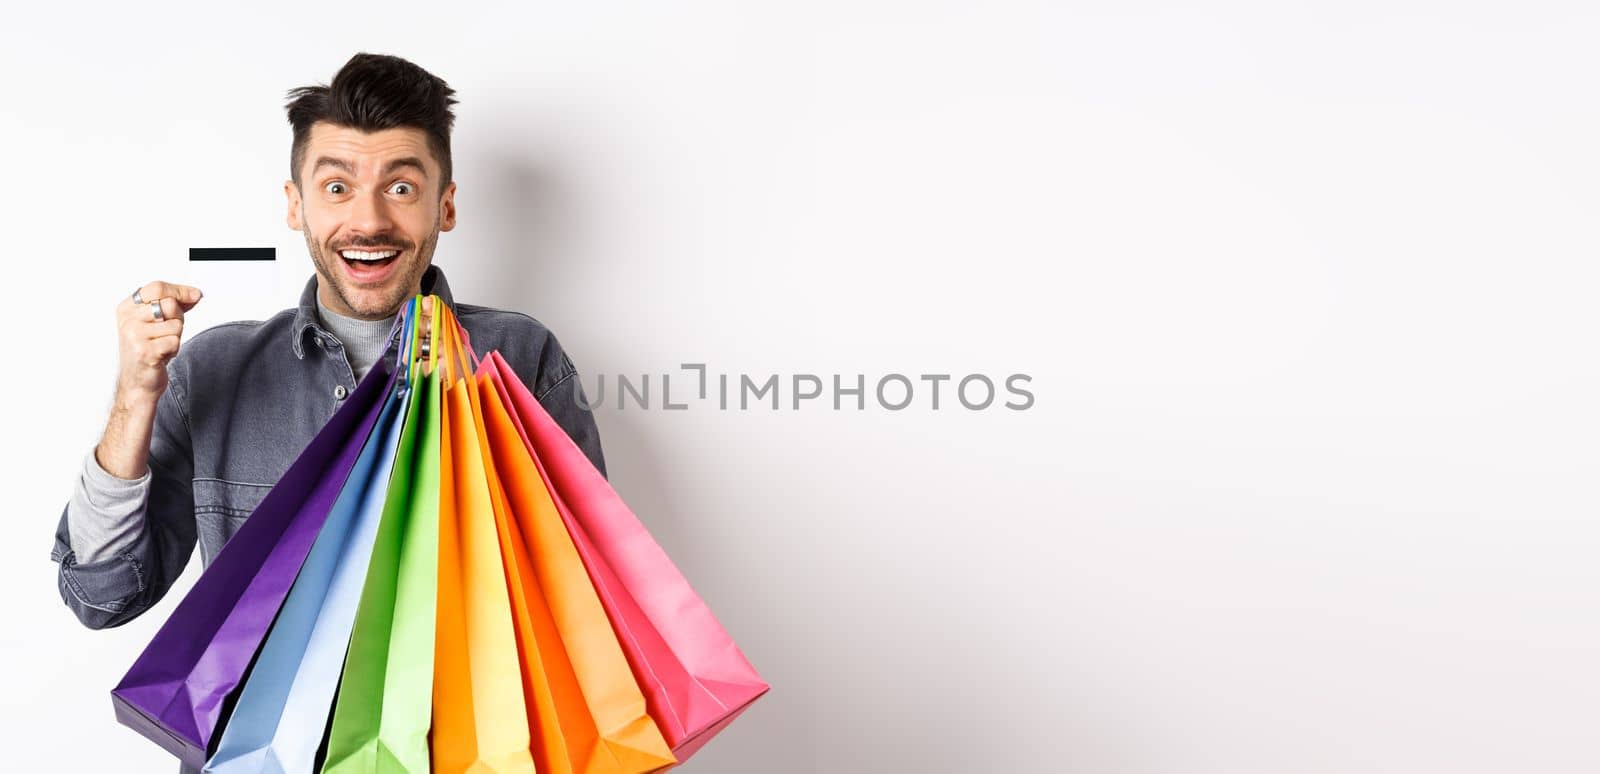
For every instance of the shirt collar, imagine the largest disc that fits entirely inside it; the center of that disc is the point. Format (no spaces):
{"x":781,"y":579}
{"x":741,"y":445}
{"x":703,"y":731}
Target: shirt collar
{"x":305,"y":317}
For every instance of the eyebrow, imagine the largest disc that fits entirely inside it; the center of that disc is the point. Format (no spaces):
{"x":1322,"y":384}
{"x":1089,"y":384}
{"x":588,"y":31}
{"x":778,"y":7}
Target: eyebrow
{"x":349,"y":169}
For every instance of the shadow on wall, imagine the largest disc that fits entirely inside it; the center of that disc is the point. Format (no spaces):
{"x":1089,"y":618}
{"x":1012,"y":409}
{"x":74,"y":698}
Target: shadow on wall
{"x":867,"y":672}
{"x":532,"y":227}
{"x":532,"y":224}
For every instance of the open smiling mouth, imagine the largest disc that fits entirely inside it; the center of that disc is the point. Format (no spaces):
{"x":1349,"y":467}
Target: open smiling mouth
{"x":369,"y":258}
{"x":369,"y":265}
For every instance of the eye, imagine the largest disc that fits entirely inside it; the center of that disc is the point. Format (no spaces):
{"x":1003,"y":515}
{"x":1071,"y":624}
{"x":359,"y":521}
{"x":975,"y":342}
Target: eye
{"x":404,"y":189}
{"x":330,"y":187}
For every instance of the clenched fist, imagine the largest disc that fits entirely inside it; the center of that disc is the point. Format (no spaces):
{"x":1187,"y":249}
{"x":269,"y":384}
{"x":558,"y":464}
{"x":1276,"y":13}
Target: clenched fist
{"x":149,"y":341}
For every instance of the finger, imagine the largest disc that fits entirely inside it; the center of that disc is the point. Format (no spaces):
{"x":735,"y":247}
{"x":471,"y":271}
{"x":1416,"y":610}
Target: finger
{"x":424,"y":328}
{"x":170,"y":310}
{"x":156,"y":330}
{"x":137,"y":336}
{"x":184,"y":294}
{"x":159,"y":351}
{"x":426,"y":318}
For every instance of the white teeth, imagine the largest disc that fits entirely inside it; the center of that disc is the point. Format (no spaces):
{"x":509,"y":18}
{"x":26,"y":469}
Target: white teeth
{"x":358,"y":255}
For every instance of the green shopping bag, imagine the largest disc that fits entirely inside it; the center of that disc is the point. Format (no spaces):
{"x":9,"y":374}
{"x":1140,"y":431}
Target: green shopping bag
{"x":383,"y":711}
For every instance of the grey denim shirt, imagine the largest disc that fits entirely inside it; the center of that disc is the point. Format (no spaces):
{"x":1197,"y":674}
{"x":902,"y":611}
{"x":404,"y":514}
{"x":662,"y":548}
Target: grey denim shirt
{"x":243,"y":400}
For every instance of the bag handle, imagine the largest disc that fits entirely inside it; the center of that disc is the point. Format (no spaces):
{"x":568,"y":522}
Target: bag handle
{"x":417,"y":347}
{"x":405,"y":321}
{"x":444,"y":332}
{"x":446,"y":338}
{"x":469,"y":359}
{"x":465,"y":340}
{"x":414,"y":347}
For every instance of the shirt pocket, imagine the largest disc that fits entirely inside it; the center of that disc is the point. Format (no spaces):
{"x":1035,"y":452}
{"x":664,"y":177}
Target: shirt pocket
{"x":228,"y":499}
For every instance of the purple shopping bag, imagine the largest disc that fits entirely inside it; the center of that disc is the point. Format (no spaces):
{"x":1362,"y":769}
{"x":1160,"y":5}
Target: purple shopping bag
{"x":175,"y":691}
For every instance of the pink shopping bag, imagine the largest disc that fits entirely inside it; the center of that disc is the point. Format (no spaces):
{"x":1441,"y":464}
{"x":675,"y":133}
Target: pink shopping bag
{"x":694,"y":678}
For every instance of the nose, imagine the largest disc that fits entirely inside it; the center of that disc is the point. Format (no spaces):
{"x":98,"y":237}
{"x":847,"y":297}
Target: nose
{"x":369,"y":214}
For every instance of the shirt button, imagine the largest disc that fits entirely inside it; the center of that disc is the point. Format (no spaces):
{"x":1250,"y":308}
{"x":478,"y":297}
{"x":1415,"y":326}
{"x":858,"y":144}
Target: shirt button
{"x":339,"y":392}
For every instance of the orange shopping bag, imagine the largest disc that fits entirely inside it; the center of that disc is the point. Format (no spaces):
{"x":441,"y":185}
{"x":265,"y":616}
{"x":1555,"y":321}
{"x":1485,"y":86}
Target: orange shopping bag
{"x":480,"y":720}
{"x":587,"y":714}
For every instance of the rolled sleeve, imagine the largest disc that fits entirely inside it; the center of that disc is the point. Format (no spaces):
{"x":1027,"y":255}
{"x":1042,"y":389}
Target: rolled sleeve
{"x":107,"y":512}
{"x":121,"y":543}
{"x":99,"y":591}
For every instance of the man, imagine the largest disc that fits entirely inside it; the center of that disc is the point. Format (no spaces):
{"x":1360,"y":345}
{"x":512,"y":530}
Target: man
{"x":197,"y":437}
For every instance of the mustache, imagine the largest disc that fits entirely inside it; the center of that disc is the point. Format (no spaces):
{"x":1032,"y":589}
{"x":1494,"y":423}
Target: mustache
{"x":361,"y":244}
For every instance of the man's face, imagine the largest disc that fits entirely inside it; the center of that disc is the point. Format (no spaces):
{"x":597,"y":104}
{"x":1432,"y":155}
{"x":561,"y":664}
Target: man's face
{"x":371,"y":211}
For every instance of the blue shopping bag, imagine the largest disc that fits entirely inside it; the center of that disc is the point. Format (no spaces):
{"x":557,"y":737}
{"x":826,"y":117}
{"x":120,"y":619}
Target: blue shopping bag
{"x":282,"y":713}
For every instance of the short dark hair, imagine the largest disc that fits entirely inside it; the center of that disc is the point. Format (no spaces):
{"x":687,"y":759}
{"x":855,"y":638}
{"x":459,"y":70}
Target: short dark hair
{"x":373,"y":92}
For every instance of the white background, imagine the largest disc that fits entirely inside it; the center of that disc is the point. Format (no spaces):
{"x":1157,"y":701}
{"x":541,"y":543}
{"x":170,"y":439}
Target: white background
{"x":1305,"y":291}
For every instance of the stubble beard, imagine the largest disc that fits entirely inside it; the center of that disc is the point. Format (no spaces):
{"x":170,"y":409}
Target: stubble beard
{"x":410,"y":285}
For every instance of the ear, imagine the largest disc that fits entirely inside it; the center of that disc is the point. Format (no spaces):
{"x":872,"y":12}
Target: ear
{"x":447,"y":208}
{"x":292,"y":194}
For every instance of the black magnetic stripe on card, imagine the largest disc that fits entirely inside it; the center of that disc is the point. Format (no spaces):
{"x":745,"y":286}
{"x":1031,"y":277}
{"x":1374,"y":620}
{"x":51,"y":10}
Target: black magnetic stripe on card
{"x":233,"y":253}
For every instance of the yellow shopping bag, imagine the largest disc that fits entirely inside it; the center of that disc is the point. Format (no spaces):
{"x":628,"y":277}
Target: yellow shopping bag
{"x":480,"y":720}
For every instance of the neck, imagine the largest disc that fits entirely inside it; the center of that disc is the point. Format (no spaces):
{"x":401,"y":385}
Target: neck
{"x":341,"y":310}
{"x":364,"y":340}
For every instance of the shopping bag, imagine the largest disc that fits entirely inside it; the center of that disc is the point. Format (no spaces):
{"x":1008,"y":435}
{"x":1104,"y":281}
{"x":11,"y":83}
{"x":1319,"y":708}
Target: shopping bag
{"x":174,"y":693}
{"x":529,"y":612}
{"x":694,"y":677}
{"x":595,"y":714}
{"x":382,"y":713}
{"x":282,"y":713}
{"x":480,"y":720}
